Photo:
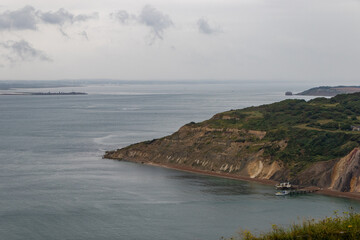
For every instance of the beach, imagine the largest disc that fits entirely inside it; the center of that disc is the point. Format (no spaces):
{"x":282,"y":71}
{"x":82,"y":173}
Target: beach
{"x":328,"y":192}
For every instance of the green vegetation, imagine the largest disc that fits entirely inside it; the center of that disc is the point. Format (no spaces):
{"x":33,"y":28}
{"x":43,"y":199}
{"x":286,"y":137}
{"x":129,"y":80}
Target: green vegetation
{"x":318,"y":130}
{"x":337,"y":227}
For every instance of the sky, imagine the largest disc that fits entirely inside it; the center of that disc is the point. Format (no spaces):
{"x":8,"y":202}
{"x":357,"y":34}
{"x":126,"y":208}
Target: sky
{"x":289,"y":40}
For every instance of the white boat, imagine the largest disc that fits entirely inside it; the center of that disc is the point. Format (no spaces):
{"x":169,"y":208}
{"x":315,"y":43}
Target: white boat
{"x":282,"y":193}
{"x":284,"y":186}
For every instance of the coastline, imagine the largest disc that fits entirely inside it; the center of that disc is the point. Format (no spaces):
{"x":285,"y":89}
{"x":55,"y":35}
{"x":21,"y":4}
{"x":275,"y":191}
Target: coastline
{"x":327,"y":192}
{"x":214,"y":174}
{"x":332,"y":193}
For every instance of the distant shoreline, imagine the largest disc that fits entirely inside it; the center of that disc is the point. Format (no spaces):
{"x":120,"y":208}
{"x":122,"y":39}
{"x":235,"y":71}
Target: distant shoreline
{"x":327,"y":192}
{"x":328,"y":91}
{"x":44,"y":93}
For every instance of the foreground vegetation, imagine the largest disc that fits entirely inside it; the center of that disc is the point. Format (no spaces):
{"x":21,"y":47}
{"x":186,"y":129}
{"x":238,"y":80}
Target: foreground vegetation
{"x":337,"y":227}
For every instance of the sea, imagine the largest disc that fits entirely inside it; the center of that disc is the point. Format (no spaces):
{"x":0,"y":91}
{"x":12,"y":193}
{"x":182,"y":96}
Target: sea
{"x":54,"y":183}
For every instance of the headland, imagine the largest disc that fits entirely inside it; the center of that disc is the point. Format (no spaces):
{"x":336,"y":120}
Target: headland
{"x":314,"y":143}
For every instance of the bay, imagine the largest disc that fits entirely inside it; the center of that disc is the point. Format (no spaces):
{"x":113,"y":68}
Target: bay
{"x":54,"y":183}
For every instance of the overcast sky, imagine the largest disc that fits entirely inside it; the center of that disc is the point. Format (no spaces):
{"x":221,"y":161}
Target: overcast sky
{"x":295,"y":40}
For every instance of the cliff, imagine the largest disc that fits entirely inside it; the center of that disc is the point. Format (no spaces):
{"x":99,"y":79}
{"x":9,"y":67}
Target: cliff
{"x":341,"y":175}
{"x":345,"y":175}
{"x":290,"y":140}
{"x":209,"y":149}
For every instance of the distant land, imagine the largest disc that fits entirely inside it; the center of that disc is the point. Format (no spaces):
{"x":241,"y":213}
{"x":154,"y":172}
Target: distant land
{"x":310,"y":143}
{"x":46,"y":93}
{"x":328,"y":91}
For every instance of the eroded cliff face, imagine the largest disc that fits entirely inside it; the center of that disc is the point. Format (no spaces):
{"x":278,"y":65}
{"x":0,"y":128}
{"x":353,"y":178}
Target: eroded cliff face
{"x":239,"y":152}
{"x":345,"y":175}
{"x":318,"y":174}
{"x":232,"y":151}
{"x":338,"y":174}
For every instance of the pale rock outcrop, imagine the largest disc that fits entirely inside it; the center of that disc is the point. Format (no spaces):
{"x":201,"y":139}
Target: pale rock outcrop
{"x":345,"y":175}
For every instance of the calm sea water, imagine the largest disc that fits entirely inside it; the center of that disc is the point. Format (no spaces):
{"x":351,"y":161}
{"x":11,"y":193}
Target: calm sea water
{"x":54,"y":183}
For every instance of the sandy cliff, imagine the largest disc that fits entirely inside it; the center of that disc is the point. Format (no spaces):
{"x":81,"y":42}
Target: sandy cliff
{"x":340,"y":175}
{"x":345,"y":175}
{"x":214,"y":150}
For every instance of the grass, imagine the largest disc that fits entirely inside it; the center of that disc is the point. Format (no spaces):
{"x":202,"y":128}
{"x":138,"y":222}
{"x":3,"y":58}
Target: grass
{"x":346,"y":226}
{"x":330,"y":105}
{"x":324,"y":121}
{"x":325,"y":105}
{"x":254,"y":114}
{"x":304,"y":126}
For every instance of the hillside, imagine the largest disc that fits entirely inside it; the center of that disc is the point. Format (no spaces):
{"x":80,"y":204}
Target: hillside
{"x":309,"y":143}
{"x":330,"y":91}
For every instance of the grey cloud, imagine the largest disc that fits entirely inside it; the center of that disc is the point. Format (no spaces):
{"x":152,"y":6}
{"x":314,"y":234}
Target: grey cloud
{"x":84,"y":35}
{"x":63,"y":33}
{"x":156,"y":20}
{"x":123,"y":16}
{"x":86,"y":17}
{"x":59,"y":17}
{"x":62,"y":16}
{"x":21,"y":19}
{"x":23,"y":51}
{"x":205,"y":28}
{"x":28,"y":18}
